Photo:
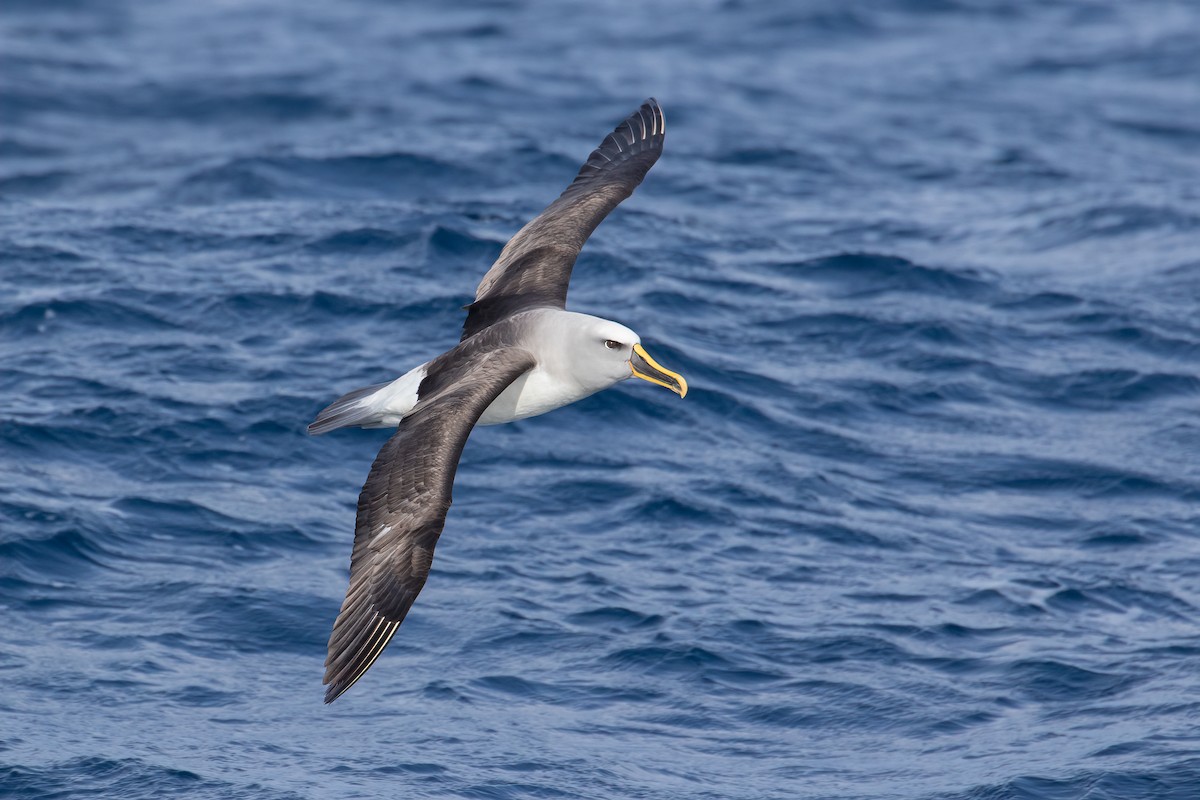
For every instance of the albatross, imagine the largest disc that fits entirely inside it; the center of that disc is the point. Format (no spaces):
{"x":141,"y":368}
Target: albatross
{"x":521,"y":354}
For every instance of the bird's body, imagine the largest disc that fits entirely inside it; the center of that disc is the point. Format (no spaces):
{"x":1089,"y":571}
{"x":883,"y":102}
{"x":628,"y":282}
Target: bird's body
{"x":521,"y":354}
{"x":552,"y":383}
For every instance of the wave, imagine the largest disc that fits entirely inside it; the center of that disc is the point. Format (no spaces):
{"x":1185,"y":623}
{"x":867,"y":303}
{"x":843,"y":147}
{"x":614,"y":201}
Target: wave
{"x":383,"y":175}
{"x":1175,"y":780}
{"x":130,"y":777}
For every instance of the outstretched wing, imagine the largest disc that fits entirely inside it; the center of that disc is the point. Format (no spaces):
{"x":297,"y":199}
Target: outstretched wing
{"x":535,"y":266}
{"x":404,"y":502}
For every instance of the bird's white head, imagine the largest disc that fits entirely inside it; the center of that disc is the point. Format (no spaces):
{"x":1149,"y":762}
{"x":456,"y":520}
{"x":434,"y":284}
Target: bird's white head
{"x":601,"y":352}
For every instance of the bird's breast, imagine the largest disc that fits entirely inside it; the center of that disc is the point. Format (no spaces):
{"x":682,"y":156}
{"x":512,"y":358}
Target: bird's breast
{"x":535,"y":392}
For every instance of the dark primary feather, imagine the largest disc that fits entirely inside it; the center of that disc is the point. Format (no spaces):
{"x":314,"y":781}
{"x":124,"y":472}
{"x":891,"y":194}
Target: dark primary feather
{"x":534,"y":268}
{"x":403,"y":504}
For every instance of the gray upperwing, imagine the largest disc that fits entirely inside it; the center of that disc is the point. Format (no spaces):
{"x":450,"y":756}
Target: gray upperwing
{"x":534,"y":268}
{"x":403,"y":505}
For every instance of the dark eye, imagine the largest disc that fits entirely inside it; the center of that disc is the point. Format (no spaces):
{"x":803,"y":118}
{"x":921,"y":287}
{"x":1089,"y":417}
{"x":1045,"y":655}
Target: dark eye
{"x":611,"y":345}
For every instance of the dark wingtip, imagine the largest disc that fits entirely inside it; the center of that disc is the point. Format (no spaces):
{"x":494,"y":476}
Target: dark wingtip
{"x":641,"y":130}
{"x":640,"y":134}
{"x":354,"y":648}
{"x":341,"y":684}
{"x":651,"y":104}
{"x":334,"y":692}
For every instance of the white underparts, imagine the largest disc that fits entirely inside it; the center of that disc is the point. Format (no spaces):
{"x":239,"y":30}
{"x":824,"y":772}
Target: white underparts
{"x":535,"y":392}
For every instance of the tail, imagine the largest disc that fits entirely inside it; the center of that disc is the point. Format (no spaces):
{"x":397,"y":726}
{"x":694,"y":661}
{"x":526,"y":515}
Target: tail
{"x":352,"y":408}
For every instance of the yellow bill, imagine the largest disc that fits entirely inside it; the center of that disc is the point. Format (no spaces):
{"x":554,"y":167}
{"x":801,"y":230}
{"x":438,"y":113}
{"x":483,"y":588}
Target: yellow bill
{"x":646,"y":368}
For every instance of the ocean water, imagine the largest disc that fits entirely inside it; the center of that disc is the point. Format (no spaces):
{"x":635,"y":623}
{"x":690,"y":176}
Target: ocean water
{"x":927,"y":526}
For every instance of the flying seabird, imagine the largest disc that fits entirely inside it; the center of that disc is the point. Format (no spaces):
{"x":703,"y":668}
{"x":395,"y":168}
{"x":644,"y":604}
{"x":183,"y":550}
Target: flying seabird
{"x":521,"y":354}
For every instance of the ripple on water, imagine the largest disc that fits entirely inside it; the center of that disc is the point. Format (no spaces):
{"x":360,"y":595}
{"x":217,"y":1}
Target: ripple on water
{"x":1049,"y":681}
{"x":1177,"y":780}
{"x":131,"y":777}
{"x":314,"y":178}
{"x":868,"y":275}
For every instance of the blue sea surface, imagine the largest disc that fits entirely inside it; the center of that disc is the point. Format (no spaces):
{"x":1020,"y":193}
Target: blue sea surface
{"x":927,"y":526}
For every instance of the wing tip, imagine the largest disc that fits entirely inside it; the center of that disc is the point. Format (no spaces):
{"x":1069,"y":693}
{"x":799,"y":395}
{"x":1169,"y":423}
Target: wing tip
{"x":658,"y":120}
{"x":652,"y":128}
{"x":641,"y":134}
{"x":338,"y":688}
{"x":348,"y":665}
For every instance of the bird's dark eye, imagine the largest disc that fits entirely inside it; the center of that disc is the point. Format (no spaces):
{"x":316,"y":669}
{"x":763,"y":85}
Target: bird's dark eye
{"x":611,"y":345}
